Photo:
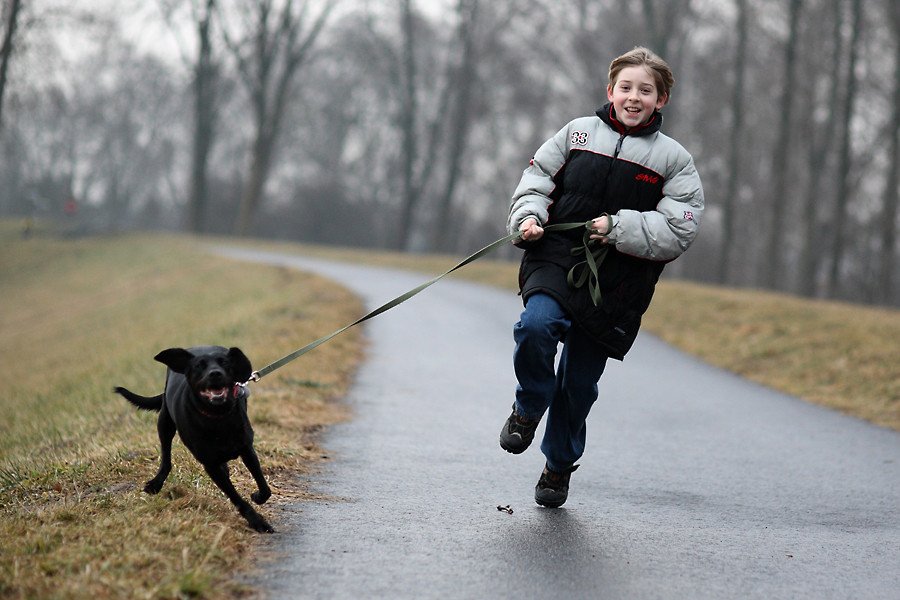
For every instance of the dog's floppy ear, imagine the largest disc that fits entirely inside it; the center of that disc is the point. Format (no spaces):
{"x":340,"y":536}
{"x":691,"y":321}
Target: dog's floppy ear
{"x":176,"y":359}
{"x":240,"y":365}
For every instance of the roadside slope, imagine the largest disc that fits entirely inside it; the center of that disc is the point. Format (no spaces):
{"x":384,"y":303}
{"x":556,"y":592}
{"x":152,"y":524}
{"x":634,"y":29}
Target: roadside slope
{"x":80,"y":316}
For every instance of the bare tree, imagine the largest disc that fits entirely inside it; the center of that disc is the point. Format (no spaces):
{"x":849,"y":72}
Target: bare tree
{"x":735,"y":155}
{"x":420,"y":129}
{"x":412,"y":189}
{"x":891,"y":198}
{"x":276,"y":41}
{"x":662,"y":18}
{"x":464,"y":83}
{"x":820,"y":145}
{"x":11,"y":18}
{"x":845,"y":157}
{"x":771,"y":267}
{"x":408,"y":112}
{"x":124,"y":132}
{"x":477,"y":45}
{"x":203,"y":65}
{"x":205,"y":111}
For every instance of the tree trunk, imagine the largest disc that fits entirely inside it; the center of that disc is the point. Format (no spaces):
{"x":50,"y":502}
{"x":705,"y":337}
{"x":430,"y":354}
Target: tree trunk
{"x":662,"y":18}
{"x":6,"y":50}
{"x":890,"y":200}
{"x":252,"y":194}
{"x":204,"y":123}
{"x":461,"y":119}
{"x":821,"y":142}
{"x":735,"y":158}
{"x":279,"y":48}
{"x":838,"y":228}
{"x":771,"y":268}
{"x":408,"y":122}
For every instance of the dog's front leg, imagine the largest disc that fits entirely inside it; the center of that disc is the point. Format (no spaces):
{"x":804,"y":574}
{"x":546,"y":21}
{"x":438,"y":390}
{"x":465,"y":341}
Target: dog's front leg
{"x":252,"y":463}
{"x":165,"y":427}
{"x":219,"y":475}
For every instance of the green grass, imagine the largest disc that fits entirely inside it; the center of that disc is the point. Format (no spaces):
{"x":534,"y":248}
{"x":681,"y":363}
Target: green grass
{"x":80,"y":316}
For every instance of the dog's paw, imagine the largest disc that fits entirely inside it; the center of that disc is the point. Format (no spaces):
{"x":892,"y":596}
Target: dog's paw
{"x":254,"y":519}
{"x":261,"y":496}
{"x":152,"y":486}
{"x":264,"y":528}
{"x":261,"y":525}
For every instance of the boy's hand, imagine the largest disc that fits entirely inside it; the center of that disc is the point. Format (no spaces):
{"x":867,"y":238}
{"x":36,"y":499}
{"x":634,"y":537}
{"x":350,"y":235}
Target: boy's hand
{"x":532,"y":231}
{"x":601,"y":226}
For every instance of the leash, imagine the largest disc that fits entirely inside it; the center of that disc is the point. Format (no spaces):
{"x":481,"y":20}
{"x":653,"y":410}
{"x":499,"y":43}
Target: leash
{"x":594,"y":254}
{"x":588,"y":274}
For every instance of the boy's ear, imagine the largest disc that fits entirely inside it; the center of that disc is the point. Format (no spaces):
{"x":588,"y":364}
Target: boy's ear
{"x":609,"y":94}
{"x":661,"y":101}
{"x":176,"y":359}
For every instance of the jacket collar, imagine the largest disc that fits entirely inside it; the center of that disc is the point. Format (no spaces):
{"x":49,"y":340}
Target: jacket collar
{"x":608,"y":115}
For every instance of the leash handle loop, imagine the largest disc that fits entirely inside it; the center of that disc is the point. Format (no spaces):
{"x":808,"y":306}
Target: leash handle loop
{"x":587,"y":270}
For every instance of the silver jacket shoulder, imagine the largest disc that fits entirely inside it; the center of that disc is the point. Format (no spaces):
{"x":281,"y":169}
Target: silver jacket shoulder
{"x":660,"y":234}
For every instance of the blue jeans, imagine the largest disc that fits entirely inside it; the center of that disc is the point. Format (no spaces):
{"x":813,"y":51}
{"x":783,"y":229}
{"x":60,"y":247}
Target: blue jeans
{"x":568,"y":391}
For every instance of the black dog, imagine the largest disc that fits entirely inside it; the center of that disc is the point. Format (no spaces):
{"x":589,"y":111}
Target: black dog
{"x":205,"y":403}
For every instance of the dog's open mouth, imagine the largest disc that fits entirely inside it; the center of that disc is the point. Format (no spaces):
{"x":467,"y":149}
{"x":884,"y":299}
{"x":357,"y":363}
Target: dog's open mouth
{"x":215,"y":396}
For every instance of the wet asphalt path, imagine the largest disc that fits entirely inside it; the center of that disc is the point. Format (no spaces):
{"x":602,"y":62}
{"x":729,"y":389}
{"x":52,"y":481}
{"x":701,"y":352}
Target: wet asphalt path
{"x":695,"y":483}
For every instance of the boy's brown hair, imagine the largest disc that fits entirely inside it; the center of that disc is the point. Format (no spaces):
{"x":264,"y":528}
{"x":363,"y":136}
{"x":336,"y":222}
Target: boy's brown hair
{"x":642,"y":57}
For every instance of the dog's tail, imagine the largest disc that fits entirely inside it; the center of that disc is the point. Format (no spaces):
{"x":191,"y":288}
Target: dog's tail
{"x":142,"y":402}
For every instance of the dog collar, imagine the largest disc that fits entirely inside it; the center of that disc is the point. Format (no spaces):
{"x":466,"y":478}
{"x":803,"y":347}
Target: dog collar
{"x":211,"y":415}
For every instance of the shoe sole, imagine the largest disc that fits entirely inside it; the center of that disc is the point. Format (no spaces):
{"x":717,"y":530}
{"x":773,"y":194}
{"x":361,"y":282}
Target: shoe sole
{"x":513,"y":450}
{"x":550,"y":503}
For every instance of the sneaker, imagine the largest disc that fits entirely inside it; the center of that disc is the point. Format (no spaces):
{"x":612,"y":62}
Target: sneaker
{"x":552,"y":488}
{"x":518,"y":432}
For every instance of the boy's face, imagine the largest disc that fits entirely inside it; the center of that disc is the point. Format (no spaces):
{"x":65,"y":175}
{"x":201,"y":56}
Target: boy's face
{"x":634,"y":96}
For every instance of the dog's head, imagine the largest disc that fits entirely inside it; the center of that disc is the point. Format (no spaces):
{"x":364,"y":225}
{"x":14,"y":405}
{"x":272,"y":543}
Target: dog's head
{"x":212,"y":372}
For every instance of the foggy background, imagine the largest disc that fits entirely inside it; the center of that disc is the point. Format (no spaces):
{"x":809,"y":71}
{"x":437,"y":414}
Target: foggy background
{"x":405,"y":124}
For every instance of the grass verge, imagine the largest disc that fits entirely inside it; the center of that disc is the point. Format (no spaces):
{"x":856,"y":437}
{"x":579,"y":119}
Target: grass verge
{"x":80,"y":316}
{"x":839,"y":355}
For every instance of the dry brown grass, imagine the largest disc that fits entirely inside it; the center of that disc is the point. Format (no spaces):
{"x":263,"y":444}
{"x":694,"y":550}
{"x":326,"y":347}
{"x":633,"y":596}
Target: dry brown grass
{"x":839,"y":355}
{"x":79,"y":316}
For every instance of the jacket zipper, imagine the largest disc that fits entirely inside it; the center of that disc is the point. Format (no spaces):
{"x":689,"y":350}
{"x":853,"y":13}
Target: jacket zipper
{"x":619,"y":145}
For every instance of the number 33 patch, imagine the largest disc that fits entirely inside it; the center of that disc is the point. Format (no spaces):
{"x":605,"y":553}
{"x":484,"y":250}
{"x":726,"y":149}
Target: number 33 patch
{"x":579,"y":138}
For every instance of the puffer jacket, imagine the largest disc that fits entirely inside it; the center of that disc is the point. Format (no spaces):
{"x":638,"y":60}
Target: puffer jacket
{"x":645,"y":180}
